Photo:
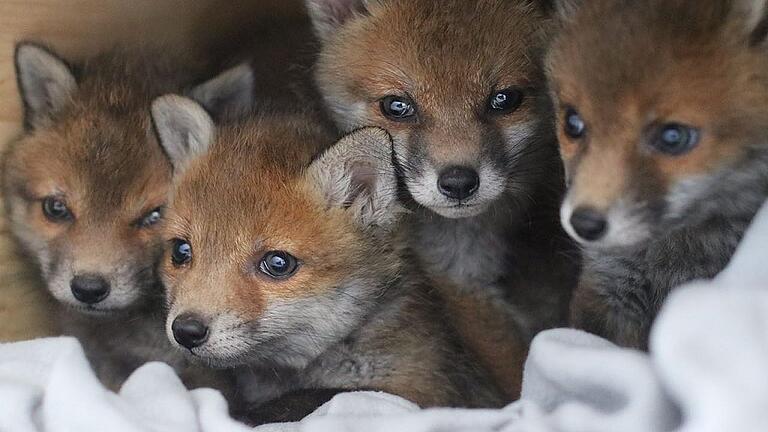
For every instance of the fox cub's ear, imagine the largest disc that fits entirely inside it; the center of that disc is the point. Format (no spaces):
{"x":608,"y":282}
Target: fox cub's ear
{"x":566,"y":9}
{"x":46,"y":84}
{"x":184,"y":129}
{"x":328,"y":15}
{"x":229,"y":94}
{"x":752,"y":15}
{"x":357,"y":174}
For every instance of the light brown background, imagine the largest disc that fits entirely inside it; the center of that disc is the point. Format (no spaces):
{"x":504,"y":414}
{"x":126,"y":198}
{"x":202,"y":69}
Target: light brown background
{"x":76,"y":28}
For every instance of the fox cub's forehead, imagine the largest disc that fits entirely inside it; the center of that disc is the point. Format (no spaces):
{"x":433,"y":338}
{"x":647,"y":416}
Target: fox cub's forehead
{"x":426,"y":41}
{"x":641,"y":41}
{"x":226,"y":191}
{"x":95,"y":153}
{"x":431,"y":23}
{"x":643,"y":62}
{"x":266,"y":210}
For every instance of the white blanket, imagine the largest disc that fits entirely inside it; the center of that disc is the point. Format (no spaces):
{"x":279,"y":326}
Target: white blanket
{"x":707,"y":371}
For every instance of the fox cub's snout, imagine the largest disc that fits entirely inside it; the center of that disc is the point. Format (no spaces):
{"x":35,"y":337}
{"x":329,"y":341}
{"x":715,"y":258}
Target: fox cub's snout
{"x":666,"y":131}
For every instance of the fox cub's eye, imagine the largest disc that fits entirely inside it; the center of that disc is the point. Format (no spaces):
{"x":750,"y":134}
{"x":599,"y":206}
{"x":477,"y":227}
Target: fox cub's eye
{"x":151,"y":218}
{"x":278,"y":264}
{"x":181,"y":252}
{"x":506,"y":101}
{"x":675,"y":139}
{"x":56,"y":210}
{"x":573,"y":124}
{"x":397,"y":108}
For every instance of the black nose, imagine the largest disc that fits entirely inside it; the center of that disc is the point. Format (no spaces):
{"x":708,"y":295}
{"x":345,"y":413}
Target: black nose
{"x":189,"y":330}
{"x":89,"y":289}
{"x":589,"y":224}
{"x":458,"y":182}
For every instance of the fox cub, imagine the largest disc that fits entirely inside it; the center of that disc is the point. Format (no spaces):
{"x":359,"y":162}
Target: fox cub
{"x":285,"y":268}
{"x":663,"y":124}
{"x":85,"y":191}
{"x":460,"y":86}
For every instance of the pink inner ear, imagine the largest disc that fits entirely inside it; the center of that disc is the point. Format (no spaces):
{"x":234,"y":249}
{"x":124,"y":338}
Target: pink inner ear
{"x":339,"y":11}
{"x":362,"y":180}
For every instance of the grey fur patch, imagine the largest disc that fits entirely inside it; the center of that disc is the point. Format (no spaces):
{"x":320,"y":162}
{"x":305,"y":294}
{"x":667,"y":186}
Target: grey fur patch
{"x":566,"y":9}
{"x":229,"y":94}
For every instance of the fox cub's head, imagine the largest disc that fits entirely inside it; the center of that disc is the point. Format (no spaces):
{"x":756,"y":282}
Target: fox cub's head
{"x":270,"y":259}
{"x":86,"y":185}
{"x":458,"y":84}
{"x":663,"y":111}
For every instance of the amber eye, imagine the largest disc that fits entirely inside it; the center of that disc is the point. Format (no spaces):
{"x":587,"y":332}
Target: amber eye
{"x":505,"y":101}
{"x":56,"y":210}
{"x":573,"y":125}
{"x":278,"y":264}
{"x":398,"y":108}
{"x":151,"y":218}
{"x":181,"y":252}
{"x":675,"y":139}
